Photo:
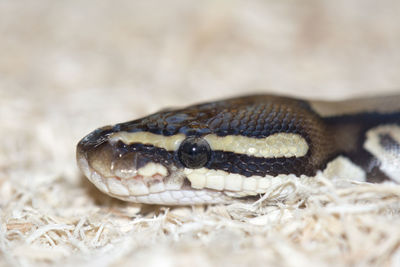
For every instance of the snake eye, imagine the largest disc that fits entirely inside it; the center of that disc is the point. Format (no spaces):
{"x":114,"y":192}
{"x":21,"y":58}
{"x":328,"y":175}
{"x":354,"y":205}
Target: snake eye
{"x":194,"y":152}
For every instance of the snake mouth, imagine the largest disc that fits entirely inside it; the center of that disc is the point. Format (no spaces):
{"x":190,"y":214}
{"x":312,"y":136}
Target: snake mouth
{"x":131,"y":176}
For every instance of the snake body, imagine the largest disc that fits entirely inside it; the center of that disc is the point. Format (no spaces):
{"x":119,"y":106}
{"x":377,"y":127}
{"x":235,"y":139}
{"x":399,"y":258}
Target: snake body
{"x":225,"y":150}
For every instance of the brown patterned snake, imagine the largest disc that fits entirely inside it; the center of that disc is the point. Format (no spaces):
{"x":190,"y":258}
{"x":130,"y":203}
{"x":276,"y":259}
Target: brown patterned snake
{"x":221,"y":151}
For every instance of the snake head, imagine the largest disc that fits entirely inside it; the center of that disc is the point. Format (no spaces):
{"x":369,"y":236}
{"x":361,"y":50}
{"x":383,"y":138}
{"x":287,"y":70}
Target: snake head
{"x":207,"y":153}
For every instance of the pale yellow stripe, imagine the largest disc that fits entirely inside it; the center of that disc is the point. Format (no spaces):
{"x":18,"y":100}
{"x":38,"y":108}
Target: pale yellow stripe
{"x":170,"y":143}
{"x":273,"y":146}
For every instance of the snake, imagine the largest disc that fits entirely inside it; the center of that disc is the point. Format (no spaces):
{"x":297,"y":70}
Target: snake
{"x":243,"y":147}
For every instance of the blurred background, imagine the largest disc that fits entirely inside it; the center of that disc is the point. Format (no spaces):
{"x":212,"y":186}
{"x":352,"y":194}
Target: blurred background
{"x":67,"y":67}
{"x":185,"y":51}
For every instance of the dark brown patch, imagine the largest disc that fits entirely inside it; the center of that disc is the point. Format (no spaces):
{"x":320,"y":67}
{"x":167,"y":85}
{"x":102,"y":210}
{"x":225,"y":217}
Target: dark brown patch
{"x":350,"y":132}
{"x":388,"y":143}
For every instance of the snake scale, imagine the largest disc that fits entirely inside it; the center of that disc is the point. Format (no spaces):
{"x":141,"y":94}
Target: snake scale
{"x":223,"y":151}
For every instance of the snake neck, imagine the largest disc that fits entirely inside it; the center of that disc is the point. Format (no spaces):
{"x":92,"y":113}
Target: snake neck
{"x":368,"y":140}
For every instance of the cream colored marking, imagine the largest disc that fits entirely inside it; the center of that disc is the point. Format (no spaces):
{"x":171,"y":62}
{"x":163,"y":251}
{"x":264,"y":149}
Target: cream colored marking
{"x":344,"y":169}
{"x":237,"y":185}
{"x":233,"y":182}
{"x":97,"y":179}
{"x":390,"y":162}
{"x":116,"y":187}
{"x":170,"y":143}
{"x":137,"y":188}
{"x":176,"y":198}
{"x":198,"y":180}
{"x":167,"y":198}
{"x":273,"y":146}
{"x":157,"y":187}
{"x":177,"y":194}
{"x":151,"y":169}
{"x":250,"y":184}
{"x":262,"y":185}
{"x":215,"y":180}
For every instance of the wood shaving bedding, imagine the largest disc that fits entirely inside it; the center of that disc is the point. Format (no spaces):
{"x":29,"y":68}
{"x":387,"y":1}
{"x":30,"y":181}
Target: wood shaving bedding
{"x":68,"y":67}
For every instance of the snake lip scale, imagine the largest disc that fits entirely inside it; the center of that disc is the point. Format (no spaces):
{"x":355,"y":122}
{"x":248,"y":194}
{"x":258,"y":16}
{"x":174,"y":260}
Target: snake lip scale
{"x":226,"y":150}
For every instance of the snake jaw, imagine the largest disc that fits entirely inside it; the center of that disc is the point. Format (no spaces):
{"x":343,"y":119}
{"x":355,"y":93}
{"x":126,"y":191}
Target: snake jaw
{"x":131,"y":176}
{"x":169,"y":190}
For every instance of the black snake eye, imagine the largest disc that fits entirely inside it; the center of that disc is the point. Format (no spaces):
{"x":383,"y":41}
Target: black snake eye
{"x":194,"y":152}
